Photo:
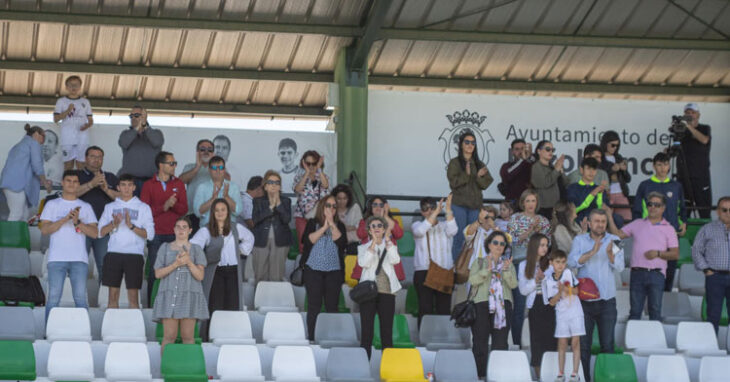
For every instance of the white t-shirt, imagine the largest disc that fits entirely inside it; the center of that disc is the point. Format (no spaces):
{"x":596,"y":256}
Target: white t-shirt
{"x":71,"y":133}
{"x":569,"y":305}
{"x":124,"y":240}
{"x":228,"y":253}
{"x":67,"y":244}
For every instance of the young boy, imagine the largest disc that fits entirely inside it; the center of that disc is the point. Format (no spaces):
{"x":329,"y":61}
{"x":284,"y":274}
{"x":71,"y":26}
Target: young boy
{"x":559,"y":289}
{"x":585,"y":194}
{"x":74,"y":113}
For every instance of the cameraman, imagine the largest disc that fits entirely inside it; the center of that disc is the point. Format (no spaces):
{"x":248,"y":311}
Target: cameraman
{"x":696,"y":148}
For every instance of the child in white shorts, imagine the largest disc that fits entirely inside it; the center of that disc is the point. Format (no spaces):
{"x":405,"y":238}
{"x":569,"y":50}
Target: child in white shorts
{"x":74,"y":114}
{"x":560,"y":289}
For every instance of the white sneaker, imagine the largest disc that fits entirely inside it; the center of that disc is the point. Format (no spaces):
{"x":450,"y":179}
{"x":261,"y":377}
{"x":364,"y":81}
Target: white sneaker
{"x":560,"y":378}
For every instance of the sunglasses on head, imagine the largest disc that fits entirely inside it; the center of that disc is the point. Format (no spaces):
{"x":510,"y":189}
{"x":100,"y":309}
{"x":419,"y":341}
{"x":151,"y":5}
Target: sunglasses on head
{"x":135,"y":115}
{"x":206,"y":149}
{"x":219,"y":167}
{"x":376,"y":204}
{"x":274,"y":182}
{"x":470,"y":142}
{"x":376,"y":225}
{"x":654,"y":204}
{"x":499,"y":243}
{"x":173,"y":163}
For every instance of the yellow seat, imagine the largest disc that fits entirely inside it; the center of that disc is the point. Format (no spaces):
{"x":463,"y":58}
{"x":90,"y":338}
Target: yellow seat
{"x":398,"y":218}
{"x":350,"y":262}
{"x":401,"y":365}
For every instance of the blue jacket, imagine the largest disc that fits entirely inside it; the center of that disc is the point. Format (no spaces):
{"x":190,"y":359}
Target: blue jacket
{"x":580,"y":195}
{"x":23,"y":168}
{"x":675,"y":212}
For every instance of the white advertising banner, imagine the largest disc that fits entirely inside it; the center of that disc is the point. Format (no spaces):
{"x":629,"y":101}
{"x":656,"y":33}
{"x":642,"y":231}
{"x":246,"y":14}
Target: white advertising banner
{"x":247,"y":152}
{"x":413,"y":135}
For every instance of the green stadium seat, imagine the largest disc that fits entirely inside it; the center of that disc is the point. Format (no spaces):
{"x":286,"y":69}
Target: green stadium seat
{"x":596,"y":344}
{"x":614,"y":368}
{"x":693,"y":226}
{"x":155,"y":287}
{"x":723,"y":315}
{"x":401,"y":334}
{"x":14,"y":234}
{"x":406,"y":244}
{"x":294,"y":248}
{"x":159,"y":331}
{"x":685,"y":251}
{"x":17,"y":361}
{"x":183,"y":363}
{"x":412,"y":301}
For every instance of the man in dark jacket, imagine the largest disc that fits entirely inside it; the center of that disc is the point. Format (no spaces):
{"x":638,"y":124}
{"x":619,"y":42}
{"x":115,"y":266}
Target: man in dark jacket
{"x":516,"y":173}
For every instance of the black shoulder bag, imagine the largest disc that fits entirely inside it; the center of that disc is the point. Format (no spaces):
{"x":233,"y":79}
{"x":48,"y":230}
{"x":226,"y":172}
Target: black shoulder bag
{"x":367,"y":290}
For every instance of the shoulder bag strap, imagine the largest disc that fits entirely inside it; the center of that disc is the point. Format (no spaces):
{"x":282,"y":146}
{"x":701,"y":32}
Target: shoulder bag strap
{"x":234,"y":231}
{"x":382,"y":255}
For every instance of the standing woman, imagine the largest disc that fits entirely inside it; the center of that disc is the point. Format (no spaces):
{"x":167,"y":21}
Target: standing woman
{"x":563,"y":226}
{"x":468,"y":177}
{"x":310,"y":185}
{"x":492,"y":279}
{"x":348,"y":211}
{"x":522,"y":226}
{"x":379,"y":207}
{"x":225,"y":245}
{"x":368,"y":257}
{"x":271,"y":215}
{"x":323,"y":259}
{"x":615,"y":166}
{"x":541,"y":316}
{"x":23,"y":174}
{"x":545,"y":177}
{"x":180,"y":301}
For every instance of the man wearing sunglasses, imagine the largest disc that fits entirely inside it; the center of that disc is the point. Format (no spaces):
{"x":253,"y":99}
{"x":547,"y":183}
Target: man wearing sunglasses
{"x":711,"y":255}
{"x":140,"y":145}
{"x":216,"y":187}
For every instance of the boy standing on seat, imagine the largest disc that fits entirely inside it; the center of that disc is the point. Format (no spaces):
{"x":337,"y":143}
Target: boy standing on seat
{"x":74,"y":114}
{"x":560,"y":289}
{"x":129,"y":222}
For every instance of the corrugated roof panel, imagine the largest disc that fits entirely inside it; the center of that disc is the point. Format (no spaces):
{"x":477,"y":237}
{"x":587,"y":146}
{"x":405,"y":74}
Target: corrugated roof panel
{"x":166,"y":46}
{"x":128,"y":86}
{"x":329,"y":55}
{"x":291,"y":93}
{"x":412,"y":13}
{"x":528,"y":63}
{"x":636,"y":65}
{"x":100,"y":86}
{"x":610,"y":15}
{"x":500,"y":61}
{"x":528,"y":16}
{"x":279,"y":51}
{"x":238,"y":91}
{"x":172,"y":8}
{"x":717,"y":68}
{"x":20,"y":40}
{"x":391,"y":53}
{"x":235,"y":10}
{"x":306,"y":54}
{"x":669,"y":22}
{"x":156,"y":87}
{"x":663,"y":66}
{"x":323,"y":11}
{"x":79,"y":43}
{"x":448,"y":59}
{"x":265,"y":93}
{"x":16,"y":82}
{"x":49,"y":42}
{"x":224,"y":47}
{"x":420,"y":56}
{"x":549,"y":68}
{"x":107,"y":48}
{"x":207,"y":9}
{"x":195,"y":48}
{"x":498,"y":18}
{"x":252,"y":50}
{"x":44,"y":83}
{"x":692,"y":65}
{"x":581,"y":64}
{"x":183,"y":89}
{"x":474,"y":58}
{"x":557,"y":16}
{"x":210,"y":90}
{"x":351,"y":12}
{"x":317,"y":95}
{"x":265,"y":10}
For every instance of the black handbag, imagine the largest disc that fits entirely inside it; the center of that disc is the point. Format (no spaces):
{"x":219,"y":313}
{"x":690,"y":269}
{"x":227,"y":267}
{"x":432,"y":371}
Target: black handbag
{"x":465,"y":313}
{"x":367,"y":290}
{"x":296,"y":277}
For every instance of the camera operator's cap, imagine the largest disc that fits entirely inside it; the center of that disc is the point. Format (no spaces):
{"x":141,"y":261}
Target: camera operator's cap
{"x":692,"y":106}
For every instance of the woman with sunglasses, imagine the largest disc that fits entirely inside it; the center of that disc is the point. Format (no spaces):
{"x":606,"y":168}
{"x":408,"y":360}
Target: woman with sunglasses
{"x":379,"y":250}
{"x":378,"y":206}
{"x":468,"y":177}
{"x":546,"y":177}
{"x":310,"y":184}
{"x":615,"y":166}
{"x":271,"y":216}
{"x":480,"y":229}
{"x":323,"y":259}
{"x":349,"y":213}
{"x":492,"y":278}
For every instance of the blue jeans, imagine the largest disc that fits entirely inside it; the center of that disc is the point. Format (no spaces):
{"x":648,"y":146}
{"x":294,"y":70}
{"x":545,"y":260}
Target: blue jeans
{"x":464,"y":216}
{"x":57,"y":271}
{"x":603,"y":313}
{"x":717,"y":288}
{"x":152,"y":247}
{"x":646,"y":284}
{"x":518,"y":315}
{"x":100,"y":247}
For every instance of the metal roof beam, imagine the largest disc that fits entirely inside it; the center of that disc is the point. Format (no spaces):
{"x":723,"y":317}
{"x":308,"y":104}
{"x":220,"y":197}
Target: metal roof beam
{"x":140,"y":70}
{"x":549,"y":86}
{"x":361,"y":48}
{"x":182,"y":107}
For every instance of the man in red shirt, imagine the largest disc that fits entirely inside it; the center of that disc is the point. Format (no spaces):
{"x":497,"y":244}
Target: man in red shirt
{"x":165,"y":194}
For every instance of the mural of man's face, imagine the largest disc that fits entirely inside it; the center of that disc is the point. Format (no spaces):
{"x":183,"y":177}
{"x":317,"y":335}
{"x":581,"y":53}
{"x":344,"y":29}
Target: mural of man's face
{"x":287,"y":156}
{"x":50,"y":145}
{"x":222,"y":147}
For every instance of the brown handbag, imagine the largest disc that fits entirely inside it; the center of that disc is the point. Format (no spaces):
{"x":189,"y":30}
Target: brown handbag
{"x":462,"y":263}
{"x":438,"y":278}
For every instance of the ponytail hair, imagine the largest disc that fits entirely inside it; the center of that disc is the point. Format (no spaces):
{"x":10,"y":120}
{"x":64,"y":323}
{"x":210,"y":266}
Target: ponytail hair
{"x":30,"y":130}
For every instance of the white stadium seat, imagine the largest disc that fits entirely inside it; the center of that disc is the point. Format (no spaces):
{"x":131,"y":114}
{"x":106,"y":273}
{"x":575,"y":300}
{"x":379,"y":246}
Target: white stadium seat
{"x":549,"y":366}
{"x":239,"y":363}
{"x":666,"y":368}
{"x":127,"y":361}
{"x":644,"y":338}
{"x":70,"y":361}
{"x":698,"y":339}
{"x":294,"y":363}
{"x":123,"y":325}
{"x":508,"y":366}
{"x":284,"y":328}
{"x":68,"y":324}
{"x":714,"y":369}
{"x":274,"y":296}
{"x":335,"y":330}
{"x":231,"y":327}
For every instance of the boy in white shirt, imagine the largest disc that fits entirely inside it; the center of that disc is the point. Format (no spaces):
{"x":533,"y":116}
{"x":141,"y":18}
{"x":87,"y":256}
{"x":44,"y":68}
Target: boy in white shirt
{"x":130,"y":222}
{"x":74,"y":113}
{"x":560,"y":289}
{"x":68,"y":220}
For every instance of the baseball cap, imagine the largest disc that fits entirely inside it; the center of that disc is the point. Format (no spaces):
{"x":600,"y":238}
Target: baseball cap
{"x":692,"y":106}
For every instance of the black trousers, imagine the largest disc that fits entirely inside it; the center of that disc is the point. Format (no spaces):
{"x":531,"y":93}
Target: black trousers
{"x":547,"y":212}
{"x":384,"y":306}
{"x":224,"y":289}
{"x":671,"y":271}
{"x":321,"y":286}
{"x":702,"y":192}
{"x":541,"y":319}
{"x":483,"y":328}
{"x":430,"y":301}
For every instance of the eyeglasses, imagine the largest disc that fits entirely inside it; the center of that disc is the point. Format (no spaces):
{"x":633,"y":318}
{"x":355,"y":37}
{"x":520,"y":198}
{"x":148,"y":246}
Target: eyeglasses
{"x":614,"y":144}
{"x":376,"y":225}
{"x":273,"y":182}
{"x":548,"y":149}
{"x":135,"y":115}
{"x":470,"y":142}
{"x":173,"y":163}
{"x":376,"y":204}
{"x":654,"y":204}
{"x":427,"y":208}
{"x":490,"y":217}
{"x":499,"y":243}
{"x":724,"y":210}
{"x":219,"y":167}
{"x":310,"y":164}
{"x":330,"y":205}
{"x":206,"y":149}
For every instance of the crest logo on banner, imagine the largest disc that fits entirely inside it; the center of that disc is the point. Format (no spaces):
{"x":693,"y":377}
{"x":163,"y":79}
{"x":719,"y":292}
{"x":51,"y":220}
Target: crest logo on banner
{"x":461,"y":122}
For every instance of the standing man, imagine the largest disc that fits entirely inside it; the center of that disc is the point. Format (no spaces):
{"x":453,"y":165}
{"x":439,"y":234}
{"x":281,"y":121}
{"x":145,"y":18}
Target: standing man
{"x":591,"y":150}
{"x":216,"y":187}
{"x":596,"y":258}
{"x":196,"y":173}
{"x":165,"y":194}
{"x":140,"y":144}
{"x":69,"y":220}
{"x":696,"y":147}
{"x":254,"y":189}
{"x":129,"y":222}
{"x":655,"y":243}
{"x":516,"y":173}
{"x":98,"y":188}
{"x":711,"y":255}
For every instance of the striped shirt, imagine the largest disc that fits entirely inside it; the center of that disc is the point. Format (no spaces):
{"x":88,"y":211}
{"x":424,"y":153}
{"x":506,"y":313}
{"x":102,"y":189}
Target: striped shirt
{"x":711,"y":248}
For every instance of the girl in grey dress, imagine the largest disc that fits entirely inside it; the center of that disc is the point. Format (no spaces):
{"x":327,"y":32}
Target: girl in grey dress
{"x":180,"y":301}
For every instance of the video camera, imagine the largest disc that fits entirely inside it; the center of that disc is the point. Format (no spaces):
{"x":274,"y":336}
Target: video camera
{"x":678,"y":128}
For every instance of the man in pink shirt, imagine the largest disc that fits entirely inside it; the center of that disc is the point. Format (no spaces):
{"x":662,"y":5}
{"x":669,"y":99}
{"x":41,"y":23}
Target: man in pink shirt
{"x":655,"y":242}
